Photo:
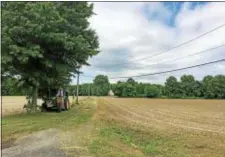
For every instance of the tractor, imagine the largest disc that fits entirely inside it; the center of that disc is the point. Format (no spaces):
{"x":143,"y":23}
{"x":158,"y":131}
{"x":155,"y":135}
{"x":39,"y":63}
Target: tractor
{"x":51,"y":100}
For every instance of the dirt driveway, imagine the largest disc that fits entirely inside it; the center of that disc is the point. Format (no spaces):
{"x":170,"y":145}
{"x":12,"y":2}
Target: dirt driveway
{"x":41,"y":144}
{"x":51,"y":143}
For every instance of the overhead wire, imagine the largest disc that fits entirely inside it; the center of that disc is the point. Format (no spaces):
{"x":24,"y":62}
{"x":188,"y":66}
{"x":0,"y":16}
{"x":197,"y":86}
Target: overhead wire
{"x":172,"y":48}
{"x":162,"y":72}
{"x":171,"y":60}
{"x":184,"y":57}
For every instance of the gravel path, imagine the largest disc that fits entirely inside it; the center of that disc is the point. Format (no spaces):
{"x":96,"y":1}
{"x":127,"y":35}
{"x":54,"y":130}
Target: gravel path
{"x":40,"y":144}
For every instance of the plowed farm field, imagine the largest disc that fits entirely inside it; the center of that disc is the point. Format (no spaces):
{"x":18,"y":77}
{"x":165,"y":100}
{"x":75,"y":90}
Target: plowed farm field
{"x":190,"y":115}
{"x":197,"y":125}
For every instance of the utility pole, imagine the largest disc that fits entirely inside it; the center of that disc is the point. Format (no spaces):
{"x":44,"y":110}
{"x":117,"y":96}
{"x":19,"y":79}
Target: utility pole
{"x":78,"y":73}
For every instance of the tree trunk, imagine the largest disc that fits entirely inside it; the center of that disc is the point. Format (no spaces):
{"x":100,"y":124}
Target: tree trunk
{"x":34,"y":99}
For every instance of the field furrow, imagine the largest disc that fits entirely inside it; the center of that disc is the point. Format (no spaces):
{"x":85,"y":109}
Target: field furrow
{"x":149,"y":115}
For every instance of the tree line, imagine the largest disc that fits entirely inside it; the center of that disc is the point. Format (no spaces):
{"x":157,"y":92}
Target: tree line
{"x":99,"y":87}
{"x":211,"y":87}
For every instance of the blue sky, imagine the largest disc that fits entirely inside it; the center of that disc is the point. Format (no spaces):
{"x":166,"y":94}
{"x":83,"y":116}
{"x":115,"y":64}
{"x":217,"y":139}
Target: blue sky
{"x":132,"y":30}
{"x":174,"y":8}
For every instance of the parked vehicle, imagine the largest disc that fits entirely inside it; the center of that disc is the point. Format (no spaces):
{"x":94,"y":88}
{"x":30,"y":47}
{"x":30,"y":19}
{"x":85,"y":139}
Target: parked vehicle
{"x":52,"y":101}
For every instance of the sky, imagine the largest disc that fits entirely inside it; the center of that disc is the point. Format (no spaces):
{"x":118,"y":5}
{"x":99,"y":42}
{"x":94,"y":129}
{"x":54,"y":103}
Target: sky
{"x":130,"y":33}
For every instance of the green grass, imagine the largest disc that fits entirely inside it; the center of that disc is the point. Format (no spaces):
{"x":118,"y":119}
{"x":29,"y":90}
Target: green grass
{"x":135,"y":143}
{"x":16,"y":125}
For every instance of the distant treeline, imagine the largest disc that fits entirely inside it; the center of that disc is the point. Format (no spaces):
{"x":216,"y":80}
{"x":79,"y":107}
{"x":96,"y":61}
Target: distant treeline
{"x":187,"y":87}
{"x":211,"y":87}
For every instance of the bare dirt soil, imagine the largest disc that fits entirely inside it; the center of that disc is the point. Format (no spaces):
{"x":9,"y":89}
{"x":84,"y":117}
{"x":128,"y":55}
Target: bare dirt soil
{"x":51,"y":143}
{"x":193,"y":115}
{"x":199,"y":124}
{"x":39,"y":144}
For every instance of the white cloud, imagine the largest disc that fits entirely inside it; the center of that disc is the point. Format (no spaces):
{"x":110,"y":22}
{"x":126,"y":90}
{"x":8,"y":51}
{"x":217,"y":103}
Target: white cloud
{"x":124,"y":26}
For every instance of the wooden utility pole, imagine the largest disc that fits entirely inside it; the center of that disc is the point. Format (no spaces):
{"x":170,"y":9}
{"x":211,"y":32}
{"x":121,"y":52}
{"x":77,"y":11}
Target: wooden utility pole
{"x":77,"y":87}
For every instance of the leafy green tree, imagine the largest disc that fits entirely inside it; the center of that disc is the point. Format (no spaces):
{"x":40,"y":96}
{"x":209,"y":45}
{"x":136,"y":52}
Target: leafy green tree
{"x":208,"y":87}
{"x":161,"y":89}
{"x":172,"y":87}
{"x":72,"y":90}
{"x":102,"y":85}
{"x":9,"y":87}
{"x":83,"y":89}
{"x":119,"y":88}
{"x":93,"y":90}
{"x":124,"y":89}
{"x":187,"y":85}
{"x":140,"y":87}
{"x":218,"y":86}
{"x":46,"y":42}
{"x":198,"y":89}
{"x":98,"y":91}
{"x":131,"y":81}
{"x":152,"y":91}
{"x":129,"y":90}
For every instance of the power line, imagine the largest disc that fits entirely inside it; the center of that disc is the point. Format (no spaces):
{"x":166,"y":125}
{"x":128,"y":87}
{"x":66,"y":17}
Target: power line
{"x":193,"y":54}
{"x":221,"y":60}
{"x":184,"y":43}
{"x":164,"y":71}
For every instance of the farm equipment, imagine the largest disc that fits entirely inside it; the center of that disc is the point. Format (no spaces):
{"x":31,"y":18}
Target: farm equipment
{"x":52,"y":102}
